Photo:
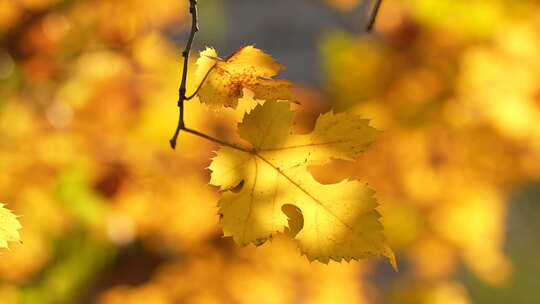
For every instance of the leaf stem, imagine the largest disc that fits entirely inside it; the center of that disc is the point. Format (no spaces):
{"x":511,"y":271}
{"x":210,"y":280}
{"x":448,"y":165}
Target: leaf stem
{"x":219,"y":141}
{"x":373,"y":15}
{"x":202,"y":82}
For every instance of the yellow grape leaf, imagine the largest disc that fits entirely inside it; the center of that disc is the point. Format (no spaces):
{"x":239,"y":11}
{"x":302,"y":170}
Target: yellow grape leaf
{"x":273,"y":191}
{"x":248,"y":68}
{"x":8,"y":227}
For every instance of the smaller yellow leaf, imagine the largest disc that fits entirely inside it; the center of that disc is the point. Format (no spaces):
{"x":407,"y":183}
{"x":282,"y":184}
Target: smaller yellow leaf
{"x":248,"y":68}
{"x":8,"y":227}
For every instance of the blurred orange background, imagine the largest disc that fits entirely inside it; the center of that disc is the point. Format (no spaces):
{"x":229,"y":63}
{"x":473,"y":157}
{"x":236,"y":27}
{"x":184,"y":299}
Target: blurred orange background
{"x":111,"y":214}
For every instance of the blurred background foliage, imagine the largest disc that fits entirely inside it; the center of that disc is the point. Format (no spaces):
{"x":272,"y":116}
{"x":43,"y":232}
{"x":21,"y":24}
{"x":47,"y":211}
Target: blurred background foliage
{"x":112,"y":215}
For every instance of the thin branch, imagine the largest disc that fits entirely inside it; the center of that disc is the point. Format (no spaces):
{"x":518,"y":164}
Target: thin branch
{"x":182,"y":90}
{"x":219,"y":141}
{"x":202,"y":82}
{"x":373,"y":15}
{"x":185,"y":54}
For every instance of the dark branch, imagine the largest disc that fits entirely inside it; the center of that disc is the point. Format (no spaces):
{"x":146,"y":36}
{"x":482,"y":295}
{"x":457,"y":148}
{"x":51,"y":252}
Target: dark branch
{"x":185,"y":54}
{"x":182,"y":90}
{"x":373,"y":15}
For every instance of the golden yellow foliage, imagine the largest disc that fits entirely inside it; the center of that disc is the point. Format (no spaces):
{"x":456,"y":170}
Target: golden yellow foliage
{"x":334,"y":221}
{"x":452,"y":82}
{"x":248,"y":68}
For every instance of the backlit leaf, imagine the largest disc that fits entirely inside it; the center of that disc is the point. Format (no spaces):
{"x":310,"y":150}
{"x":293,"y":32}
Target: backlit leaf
{"x":335,"y":221}
{"x":248,"y":68}
{"x":8,"y":227}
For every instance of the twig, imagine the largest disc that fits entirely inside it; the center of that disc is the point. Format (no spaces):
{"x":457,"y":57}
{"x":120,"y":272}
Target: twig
{"x":373,"y":15}
{"x":185,"y":54}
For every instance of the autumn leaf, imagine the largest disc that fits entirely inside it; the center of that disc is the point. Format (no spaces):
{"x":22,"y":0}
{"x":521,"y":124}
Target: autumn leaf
{"x":8,"y":227}
{"x":278,"y":194}
{"x":250,"y":68}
